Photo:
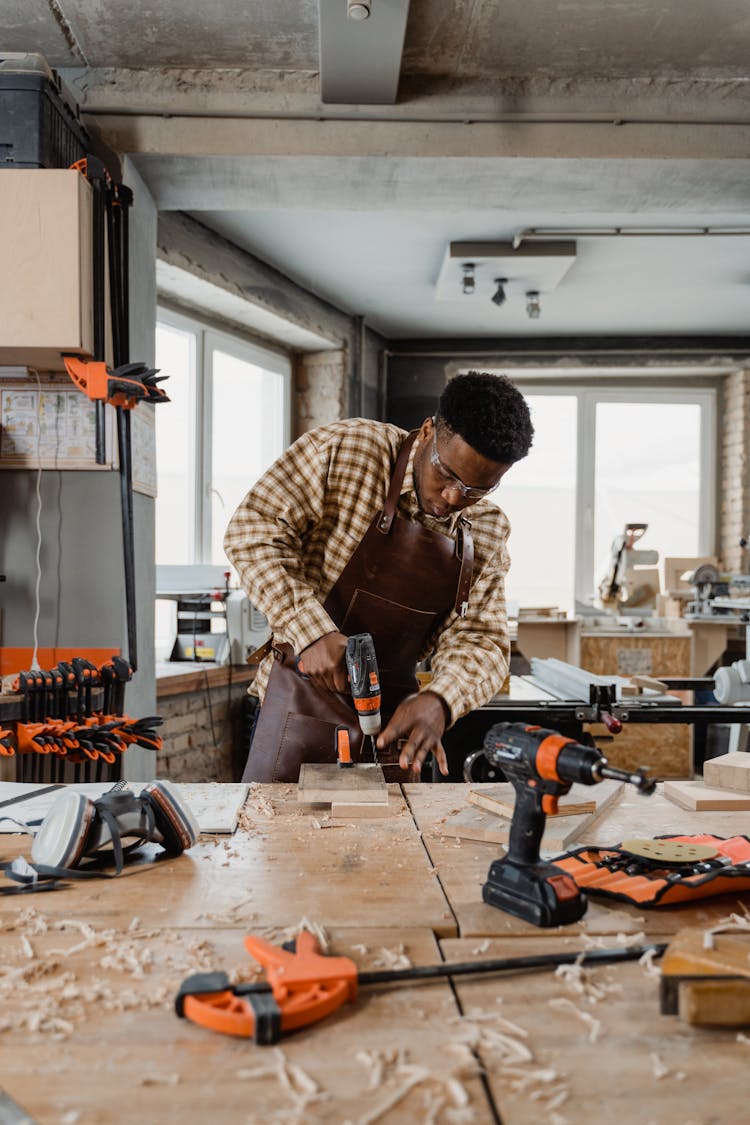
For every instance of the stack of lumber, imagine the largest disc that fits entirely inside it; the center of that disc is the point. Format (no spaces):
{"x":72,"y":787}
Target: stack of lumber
{"x":725,"y":786}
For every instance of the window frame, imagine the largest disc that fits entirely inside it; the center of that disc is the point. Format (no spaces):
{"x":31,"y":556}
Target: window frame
{"x":706,"y":398}
{"x":209,"y":339}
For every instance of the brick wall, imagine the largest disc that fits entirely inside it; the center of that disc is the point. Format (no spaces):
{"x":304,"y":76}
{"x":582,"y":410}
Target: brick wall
{"x":204,"y":734}
{"x":734,"y":504}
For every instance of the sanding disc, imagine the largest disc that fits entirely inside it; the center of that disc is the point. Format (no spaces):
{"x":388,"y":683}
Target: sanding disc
{"x":669,"y":851}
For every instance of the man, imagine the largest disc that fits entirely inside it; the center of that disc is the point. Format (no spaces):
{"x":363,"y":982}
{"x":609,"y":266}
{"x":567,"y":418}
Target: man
{"x":360,"y":527}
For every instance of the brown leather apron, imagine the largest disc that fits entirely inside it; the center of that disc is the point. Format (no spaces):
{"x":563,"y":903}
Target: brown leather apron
{"x":401,"y":580}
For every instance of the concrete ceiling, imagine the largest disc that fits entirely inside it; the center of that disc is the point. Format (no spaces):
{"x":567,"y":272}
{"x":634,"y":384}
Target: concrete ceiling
{"x":510,"y":115}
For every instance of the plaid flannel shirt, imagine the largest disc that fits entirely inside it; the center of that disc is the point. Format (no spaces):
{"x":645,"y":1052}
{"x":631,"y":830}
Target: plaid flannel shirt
{"x":296,"y":529}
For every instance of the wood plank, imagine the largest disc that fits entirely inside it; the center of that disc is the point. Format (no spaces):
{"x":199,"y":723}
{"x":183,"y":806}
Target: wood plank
{"x":165,"y":1069}
{"x":495,"y":798}
{"x":574,"y":1057}
{"x":463,"y":865}
{"x":696,"y":796}
{"x":321,"y":784}
{"x":215,"y":807}
{"x":281,"y":864}
{"x":340,"y":810}
{"x":728,"y":771}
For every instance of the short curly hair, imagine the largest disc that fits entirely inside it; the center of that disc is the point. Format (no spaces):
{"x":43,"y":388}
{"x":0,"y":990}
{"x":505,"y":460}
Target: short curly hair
{"x":489,"y":413}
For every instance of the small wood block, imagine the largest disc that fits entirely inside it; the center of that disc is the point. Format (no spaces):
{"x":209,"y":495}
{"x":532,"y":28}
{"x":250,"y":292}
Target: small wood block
{"x":321,"y":783}
{"x":475,"y":824}
{"x":729,"y":771}
{"x":649,"y":682}
{"x":697,"y":797}
{"x":500,"y":800}
{"x":340,"y":810}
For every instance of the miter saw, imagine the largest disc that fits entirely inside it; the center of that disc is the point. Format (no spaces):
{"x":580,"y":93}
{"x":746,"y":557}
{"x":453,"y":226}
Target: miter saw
{"x":623,"y":586}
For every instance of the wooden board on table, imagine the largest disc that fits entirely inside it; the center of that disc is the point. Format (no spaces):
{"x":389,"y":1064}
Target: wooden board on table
{"x":575,"y":1055}
{"x":215,"y":807}
{"x":559,"y":832}
{"x":157,"y":1064}
{"x":321,"y":784}
{"x":697,"y":797}
{"x":497,"y":799}
{"x":729,"y":771}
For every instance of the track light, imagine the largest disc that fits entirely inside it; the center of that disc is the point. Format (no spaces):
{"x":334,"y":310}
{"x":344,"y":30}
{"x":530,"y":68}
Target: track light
{"x":498,"y":297}
{"x":358,"y":9}
{"x":468,"y":280}
{"x":533,"y":305}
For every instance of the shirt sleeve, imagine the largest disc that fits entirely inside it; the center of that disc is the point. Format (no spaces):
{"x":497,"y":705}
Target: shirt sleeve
{"x":471,"y":654}
{"x":264,"y":542}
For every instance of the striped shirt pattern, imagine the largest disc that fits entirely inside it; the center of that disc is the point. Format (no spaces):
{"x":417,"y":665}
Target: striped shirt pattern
{"x":296,"y":529}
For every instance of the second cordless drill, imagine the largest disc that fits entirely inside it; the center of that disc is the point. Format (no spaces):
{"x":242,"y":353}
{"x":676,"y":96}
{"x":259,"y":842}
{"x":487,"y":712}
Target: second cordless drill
{"x":541,"y":765}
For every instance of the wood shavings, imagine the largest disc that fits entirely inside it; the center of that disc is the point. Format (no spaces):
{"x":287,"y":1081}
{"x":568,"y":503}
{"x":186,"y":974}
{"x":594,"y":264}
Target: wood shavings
{"x":734,"y":924}
{"x":562,"y":1003}
{"x":52,"y":997}
{"x":314,"y":928}
{"x":647,"y":963}
{"x":482,"y":948}
{"x":360,"y":950}
{"x":298,"y":1086}
{"x":742,"y":1038}
{"x":70,"y":1118}
{"x":658,"y":1069}
{"x":395,"y":958}
{"x":580,"y":980}
{"x":160,"y":1080}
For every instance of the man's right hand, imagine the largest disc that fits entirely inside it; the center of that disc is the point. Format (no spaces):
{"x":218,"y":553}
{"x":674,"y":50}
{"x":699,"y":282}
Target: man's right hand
{"x":323,"y":662}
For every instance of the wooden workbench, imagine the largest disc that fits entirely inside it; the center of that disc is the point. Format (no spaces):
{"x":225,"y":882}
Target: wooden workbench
{"x":88,"y":977}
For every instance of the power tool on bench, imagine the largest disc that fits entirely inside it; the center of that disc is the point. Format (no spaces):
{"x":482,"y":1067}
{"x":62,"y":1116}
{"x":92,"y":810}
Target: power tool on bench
{"x":541,"y":765}
{"x":364,"y":680}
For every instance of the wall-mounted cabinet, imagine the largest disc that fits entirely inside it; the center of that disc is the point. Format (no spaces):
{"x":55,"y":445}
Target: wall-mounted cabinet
{"x":46,"y":290}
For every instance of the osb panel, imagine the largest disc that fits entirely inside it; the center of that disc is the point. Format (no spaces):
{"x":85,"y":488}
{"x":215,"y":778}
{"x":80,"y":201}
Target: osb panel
{"x":624,"y":656}
{"x":665,"y":749}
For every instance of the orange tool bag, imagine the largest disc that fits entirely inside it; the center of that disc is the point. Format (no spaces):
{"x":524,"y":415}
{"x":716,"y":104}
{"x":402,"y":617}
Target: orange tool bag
{"x":619,"y":874}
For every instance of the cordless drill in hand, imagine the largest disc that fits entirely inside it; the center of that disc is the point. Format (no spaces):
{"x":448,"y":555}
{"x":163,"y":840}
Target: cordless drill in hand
{"x":541,"y":765}
{"x":364,"y":681}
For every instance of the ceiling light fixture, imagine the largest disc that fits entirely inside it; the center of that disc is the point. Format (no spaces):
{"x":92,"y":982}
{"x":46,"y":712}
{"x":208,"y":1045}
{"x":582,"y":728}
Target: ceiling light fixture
{"x":498,"y":297}
{"x":533,"y":304}
{"x":468,"y":281}
{"x":358,"y":9}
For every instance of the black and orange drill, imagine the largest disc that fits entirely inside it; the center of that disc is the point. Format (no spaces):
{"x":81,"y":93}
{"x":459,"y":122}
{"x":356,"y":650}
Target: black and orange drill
{"x":541,"y":765}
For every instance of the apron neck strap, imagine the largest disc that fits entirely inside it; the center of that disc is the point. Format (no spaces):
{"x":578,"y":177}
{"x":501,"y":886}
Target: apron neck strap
{"x":465,"y":550}
{"x":394,"y":490}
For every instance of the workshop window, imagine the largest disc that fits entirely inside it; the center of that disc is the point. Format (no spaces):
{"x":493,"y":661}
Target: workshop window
{"x":602,"y":458}
{"x":228,"y":420}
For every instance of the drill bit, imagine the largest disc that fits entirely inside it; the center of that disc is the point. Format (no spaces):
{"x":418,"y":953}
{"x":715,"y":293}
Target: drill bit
{"x":640,"y":779}
{"x":374,"y":749}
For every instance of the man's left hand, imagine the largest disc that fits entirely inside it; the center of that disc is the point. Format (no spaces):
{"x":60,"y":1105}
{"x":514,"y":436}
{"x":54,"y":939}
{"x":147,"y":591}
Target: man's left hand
{"x":418,"y":723}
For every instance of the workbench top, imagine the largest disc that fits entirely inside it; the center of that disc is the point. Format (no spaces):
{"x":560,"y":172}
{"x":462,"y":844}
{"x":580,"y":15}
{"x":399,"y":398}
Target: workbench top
{"x":88,"y":977}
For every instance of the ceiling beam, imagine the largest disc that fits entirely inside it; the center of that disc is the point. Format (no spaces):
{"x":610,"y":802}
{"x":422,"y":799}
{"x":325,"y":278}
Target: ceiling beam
{"x":360,"y":59}
{"x":224,"y":136}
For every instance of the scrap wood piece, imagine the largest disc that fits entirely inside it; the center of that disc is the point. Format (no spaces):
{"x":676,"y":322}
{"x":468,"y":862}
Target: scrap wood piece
{"x":698,"y":797}
{"x":729,"y":771}
{"x":321,"y":783}
{"x":500,"y":799}
{"x":559,"y":833}
{"x":345,"y":810}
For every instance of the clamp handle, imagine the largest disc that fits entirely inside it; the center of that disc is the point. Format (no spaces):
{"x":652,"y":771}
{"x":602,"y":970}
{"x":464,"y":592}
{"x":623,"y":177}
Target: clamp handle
{"x":302,"y":987}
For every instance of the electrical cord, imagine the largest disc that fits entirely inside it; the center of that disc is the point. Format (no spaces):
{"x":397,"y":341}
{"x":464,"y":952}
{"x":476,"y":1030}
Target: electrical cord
{"x":37,"y":591}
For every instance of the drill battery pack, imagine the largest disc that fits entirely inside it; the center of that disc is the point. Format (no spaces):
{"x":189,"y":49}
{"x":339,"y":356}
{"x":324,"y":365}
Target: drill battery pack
{"x":618,"y":873}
